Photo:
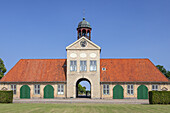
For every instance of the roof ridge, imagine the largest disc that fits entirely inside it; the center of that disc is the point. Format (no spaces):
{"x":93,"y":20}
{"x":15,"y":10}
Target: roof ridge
{"x":44,"y":59}
{"x":123,"y":58}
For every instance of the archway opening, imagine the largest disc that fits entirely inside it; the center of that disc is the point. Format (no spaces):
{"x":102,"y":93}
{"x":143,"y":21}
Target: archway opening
{"x":83,"y":88}
{"x":84,"y":32}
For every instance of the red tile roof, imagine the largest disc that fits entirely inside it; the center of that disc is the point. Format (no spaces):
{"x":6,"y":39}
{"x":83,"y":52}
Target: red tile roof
{"x":130,"y":70}
{"x":54,"y":70}
{"x":37,"y":70}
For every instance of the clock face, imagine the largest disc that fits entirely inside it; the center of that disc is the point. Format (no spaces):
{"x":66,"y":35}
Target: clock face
{"x":83,"y":43}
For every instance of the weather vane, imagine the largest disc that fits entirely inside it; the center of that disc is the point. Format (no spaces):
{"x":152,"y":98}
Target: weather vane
{"x":83,"y":12}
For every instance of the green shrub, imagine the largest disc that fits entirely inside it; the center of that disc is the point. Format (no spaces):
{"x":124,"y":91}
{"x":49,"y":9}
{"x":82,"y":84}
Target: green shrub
{"x":159,"y":97}
{"x":6,"y":96}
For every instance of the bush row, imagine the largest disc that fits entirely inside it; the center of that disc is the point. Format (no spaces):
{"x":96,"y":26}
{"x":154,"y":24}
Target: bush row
{"x":6,"y":96}
{"x":159,"y":97}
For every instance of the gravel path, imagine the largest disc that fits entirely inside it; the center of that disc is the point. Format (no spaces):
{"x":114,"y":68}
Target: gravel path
{"x":107,"y":101}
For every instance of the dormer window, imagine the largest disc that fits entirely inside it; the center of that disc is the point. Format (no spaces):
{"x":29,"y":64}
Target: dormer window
{"x":103,"y":69}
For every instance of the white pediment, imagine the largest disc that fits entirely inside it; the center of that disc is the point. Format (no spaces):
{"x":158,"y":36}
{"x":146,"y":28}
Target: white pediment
{"x":78,"y":44}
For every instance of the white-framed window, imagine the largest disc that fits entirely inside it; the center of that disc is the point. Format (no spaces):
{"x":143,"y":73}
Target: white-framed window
{"x":154,"y":87}
{"x":106,"y":89}
{"x":36,"y":89}
{"x":83,"y":65}
{"x":60,"y":89}
{"x":103,"y":69}
{"x":14,"y":88}
{"x":130,"y":89}
{"x":73,"y":65}
{"x":93,"y":65}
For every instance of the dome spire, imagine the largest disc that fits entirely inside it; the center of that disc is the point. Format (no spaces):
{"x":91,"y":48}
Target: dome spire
{"x":83,"y":14}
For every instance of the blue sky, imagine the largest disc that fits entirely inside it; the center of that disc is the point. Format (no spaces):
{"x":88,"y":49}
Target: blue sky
{"x":122,"y":28}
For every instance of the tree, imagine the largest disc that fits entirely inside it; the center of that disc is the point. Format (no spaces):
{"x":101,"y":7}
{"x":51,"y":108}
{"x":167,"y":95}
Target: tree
{"x":168,"y":74}
{"x":2,"y":68}
{"x":161,"y":68}
{"x":164,"y":71}
{"x":81,"y":89}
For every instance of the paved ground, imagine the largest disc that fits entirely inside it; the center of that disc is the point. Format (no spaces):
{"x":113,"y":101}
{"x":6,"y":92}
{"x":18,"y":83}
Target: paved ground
{"x":82,"y":100}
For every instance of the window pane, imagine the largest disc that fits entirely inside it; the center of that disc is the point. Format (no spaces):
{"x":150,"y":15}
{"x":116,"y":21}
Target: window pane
{"x":85,"y":68}
{"x":107,"y":91}
{"x":104,"y":91}
{"x":108,"y":86}
{"x":156,"y":87}
{"x":11,"y":87}
{"x":95,"y":62}
{"x":131,"y":86}
{"x":128,"y":91}
{"x":128,"y":86}
{"x":14,"y":92}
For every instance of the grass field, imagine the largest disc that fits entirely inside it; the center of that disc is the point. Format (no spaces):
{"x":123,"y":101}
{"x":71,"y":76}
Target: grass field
{"x":83,"y":108}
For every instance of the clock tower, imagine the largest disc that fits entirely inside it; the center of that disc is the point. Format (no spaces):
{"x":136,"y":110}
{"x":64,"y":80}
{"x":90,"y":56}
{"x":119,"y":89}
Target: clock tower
{"x":83,"y":62}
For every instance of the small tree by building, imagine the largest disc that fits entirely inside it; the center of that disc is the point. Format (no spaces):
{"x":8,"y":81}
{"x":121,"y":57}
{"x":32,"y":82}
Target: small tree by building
{"x":2,"y":68}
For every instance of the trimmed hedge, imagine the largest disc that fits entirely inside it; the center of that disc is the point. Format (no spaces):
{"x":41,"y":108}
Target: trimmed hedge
{"x":159,"y":97}
{"x":6,"y":96}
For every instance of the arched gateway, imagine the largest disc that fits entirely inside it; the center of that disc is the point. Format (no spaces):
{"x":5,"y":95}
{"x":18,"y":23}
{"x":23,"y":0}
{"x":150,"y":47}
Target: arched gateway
{"x":79,"y":94}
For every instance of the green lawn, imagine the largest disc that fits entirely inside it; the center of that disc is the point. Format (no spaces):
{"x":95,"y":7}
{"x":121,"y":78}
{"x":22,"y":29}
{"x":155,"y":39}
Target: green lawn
{"x":83,"y":108}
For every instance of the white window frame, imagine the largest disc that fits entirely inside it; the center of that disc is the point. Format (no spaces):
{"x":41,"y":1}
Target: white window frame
{"x":14,"y":88}
{"x":154,"y":87}
{"x":106,"y":89}
{"x":93,"y":65}
{"x":60,"y":89}
{"x":130,"y":89}
{"x":83,"y":65}
{"x":37,"y":89}
{"x":73,"y":65}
